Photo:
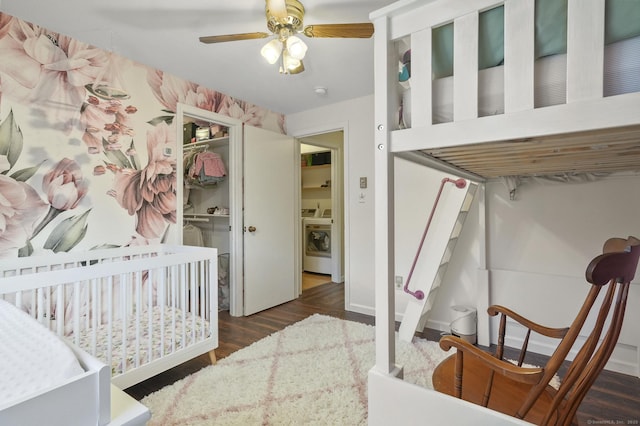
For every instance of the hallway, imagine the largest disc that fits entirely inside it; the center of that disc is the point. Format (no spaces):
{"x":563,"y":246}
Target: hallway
{"x":311,"y":280}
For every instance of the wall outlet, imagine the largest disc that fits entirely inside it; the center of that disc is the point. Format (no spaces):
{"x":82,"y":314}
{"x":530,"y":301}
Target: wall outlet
{"x":398,"y":281}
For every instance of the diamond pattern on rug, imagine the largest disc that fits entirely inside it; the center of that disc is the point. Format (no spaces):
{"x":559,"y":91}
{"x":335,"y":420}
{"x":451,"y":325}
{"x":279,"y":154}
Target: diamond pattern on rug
{"x":313,"y":372}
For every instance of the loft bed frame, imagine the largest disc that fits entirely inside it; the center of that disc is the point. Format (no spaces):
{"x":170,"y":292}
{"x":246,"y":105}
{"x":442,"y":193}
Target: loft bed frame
{"x":592,"y":129}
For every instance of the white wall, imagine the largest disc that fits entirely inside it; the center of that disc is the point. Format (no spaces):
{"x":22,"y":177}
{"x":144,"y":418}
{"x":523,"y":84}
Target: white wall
{"x":538,"y":245}
{"x":357,"y":116}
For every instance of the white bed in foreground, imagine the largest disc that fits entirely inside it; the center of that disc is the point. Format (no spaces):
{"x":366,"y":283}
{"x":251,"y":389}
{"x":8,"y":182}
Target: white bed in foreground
{"x":45,"y":380}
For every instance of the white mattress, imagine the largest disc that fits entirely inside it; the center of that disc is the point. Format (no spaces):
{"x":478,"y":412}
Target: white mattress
{"x":32,"y":358}
{"x":177,"y":335}
{"x":621,"y":75}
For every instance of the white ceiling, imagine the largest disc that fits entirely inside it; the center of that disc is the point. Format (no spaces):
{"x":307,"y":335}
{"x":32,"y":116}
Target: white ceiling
{"x":164,"y":34}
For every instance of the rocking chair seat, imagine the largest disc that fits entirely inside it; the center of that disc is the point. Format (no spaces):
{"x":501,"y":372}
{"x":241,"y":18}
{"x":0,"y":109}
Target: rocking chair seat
{"x":507,"y":395}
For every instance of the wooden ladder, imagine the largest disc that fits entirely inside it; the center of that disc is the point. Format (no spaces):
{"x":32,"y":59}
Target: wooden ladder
{"x":444,"y":228}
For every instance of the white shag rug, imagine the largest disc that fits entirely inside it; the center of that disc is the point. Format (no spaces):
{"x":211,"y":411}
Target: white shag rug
{"x":313,"y":372}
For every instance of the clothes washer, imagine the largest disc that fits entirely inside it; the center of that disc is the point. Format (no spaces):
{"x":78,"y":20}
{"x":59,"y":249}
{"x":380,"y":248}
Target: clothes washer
{"x":317,"y":245}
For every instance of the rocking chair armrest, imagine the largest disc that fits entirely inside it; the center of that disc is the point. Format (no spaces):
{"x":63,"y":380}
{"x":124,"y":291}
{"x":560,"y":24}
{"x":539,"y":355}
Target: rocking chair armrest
{"x":557,"y":333}
{"x":529,"y":375}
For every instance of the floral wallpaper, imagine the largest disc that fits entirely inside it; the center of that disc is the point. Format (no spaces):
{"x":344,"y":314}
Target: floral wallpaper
{"x":83,"y":134}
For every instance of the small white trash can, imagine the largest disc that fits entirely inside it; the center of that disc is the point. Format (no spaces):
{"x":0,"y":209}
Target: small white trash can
{"x":464,"y":323}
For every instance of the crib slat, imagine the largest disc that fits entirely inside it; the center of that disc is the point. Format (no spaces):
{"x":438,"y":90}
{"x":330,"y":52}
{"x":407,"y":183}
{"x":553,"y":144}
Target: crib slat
{"x":138,"y":313}
{"x":150,"y":279}
{"x":194,"y":298}
{"x":122,"y":316}
{"x":95,"y":304}
{"x":585,"y":49}
{"x":421,"y":87}
{"x":465,"y":67}
{"x":76,"y":312}
{"x":174,"y":278}
{"x":519,"y":45}
{"x":161,"y":304}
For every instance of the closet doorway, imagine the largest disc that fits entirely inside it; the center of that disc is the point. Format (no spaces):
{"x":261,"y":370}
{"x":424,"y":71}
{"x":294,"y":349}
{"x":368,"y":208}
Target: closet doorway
{"x":250,"y":214}
{"x":321,"y":201}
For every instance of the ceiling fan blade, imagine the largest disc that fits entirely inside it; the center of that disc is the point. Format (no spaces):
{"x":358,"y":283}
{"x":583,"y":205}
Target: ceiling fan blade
{"x":362,"y":30}
{"x":278,"y":9}
{"x":233,"y":37}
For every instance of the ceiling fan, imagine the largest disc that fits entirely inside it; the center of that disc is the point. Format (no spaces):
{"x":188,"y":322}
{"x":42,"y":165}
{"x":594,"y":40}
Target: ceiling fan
{"x":285,"y":20}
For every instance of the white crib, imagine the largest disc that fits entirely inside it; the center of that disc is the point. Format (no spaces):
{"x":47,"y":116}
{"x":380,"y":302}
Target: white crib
{"x":140,"y":310}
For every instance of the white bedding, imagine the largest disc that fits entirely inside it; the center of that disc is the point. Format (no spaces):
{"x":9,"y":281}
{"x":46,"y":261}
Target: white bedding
{"x":32,"y":358}
{"x":621,"y":75}
{"x":169,"y":333}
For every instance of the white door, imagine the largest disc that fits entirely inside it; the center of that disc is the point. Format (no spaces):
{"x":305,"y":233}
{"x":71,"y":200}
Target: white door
{"x":270,"y":212}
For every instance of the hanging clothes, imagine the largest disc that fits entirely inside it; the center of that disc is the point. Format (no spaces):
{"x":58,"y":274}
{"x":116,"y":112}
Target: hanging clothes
{"x":192,"y":236}
{"x":209,"y":164}
{"x":203,"y":168}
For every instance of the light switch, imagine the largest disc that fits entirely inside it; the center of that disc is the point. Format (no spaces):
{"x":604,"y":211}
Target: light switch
{"x":363,"y":182}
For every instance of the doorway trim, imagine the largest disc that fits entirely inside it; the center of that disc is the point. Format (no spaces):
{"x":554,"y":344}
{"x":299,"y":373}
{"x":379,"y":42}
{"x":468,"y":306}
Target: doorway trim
{"x":236,"y":249}
{"x":337,"y":199}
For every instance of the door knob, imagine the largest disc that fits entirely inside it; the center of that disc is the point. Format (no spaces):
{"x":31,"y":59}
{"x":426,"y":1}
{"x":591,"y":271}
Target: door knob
{"x":252,"y":229}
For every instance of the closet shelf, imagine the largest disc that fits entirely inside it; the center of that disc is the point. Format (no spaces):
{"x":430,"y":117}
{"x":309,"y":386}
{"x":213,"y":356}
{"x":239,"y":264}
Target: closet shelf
{"x":202,"y":215}
{"x":206,"y":142}
{"x":304,"y":188}
{"x":319,"y":166}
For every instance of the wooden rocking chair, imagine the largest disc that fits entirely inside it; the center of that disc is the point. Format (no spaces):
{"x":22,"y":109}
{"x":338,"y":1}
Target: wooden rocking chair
{"x":488,"y":380}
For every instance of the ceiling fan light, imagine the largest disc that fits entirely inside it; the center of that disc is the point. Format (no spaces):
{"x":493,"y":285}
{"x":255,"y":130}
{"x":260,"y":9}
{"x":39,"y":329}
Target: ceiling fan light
{"x":298,"y":69}
{"x":271,"y":51}
{"x":296,"y":47}
{"x":290,"y":65}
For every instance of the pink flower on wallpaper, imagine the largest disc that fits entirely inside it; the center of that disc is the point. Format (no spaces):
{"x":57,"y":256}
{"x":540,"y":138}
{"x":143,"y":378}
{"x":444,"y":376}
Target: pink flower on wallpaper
{"x":64,"y":185}
{"x":20,"y":210}
{"x":171,"y":90}
{"x":150,"y":193}
{"x":243,"y":111}
{"x":108,"y":120}
{"x":49,"y":68}
{"x":5,"y":24}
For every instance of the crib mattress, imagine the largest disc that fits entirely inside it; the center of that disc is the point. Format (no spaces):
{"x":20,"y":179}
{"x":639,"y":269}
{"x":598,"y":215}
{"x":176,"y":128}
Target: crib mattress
{"x":32,"y":358}
{"x":171,"y":330}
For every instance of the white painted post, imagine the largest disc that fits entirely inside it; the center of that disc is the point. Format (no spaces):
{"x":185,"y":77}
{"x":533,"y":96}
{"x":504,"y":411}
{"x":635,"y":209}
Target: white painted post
{"x":519,"y":55}
{"x":465,"y":67}
{"x":585,"y":50}
{"x":421,"y":86}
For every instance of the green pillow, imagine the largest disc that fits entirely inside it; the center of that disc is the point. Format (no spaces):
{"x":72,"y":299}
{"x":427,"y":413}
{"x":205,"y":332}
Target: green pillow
{"x":622,"y":22}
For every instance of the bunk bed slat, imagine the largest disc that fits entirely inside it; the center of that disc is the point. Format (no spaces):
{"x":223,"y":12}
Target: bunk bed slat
{"x":465,"y":67}
{"x":585,"y":49}
{"x":421,"y":106}
{"x":519,"y":45}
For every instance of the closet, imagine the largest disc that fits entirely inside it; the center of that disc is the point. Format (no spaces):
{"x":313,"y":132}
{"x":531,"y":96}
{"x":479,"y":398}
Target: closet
{"x":206,"y":201}
{"x":238,"y":192}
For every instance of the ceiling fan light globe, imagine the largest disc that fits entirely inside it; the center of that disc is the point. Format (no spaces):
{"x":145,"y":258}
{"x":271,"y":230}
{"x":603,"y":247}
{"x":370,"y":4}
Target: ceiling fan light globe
{"x":271,"y":51}
{"x":291,"y":63}
{"x":298,"y":69}
{"x":296,"y":47}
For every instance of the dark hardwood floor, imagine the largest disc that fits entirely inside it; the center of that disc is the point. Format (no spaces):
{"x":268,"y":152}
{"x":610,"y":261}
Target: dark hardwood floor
{"x":613,"y":399}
